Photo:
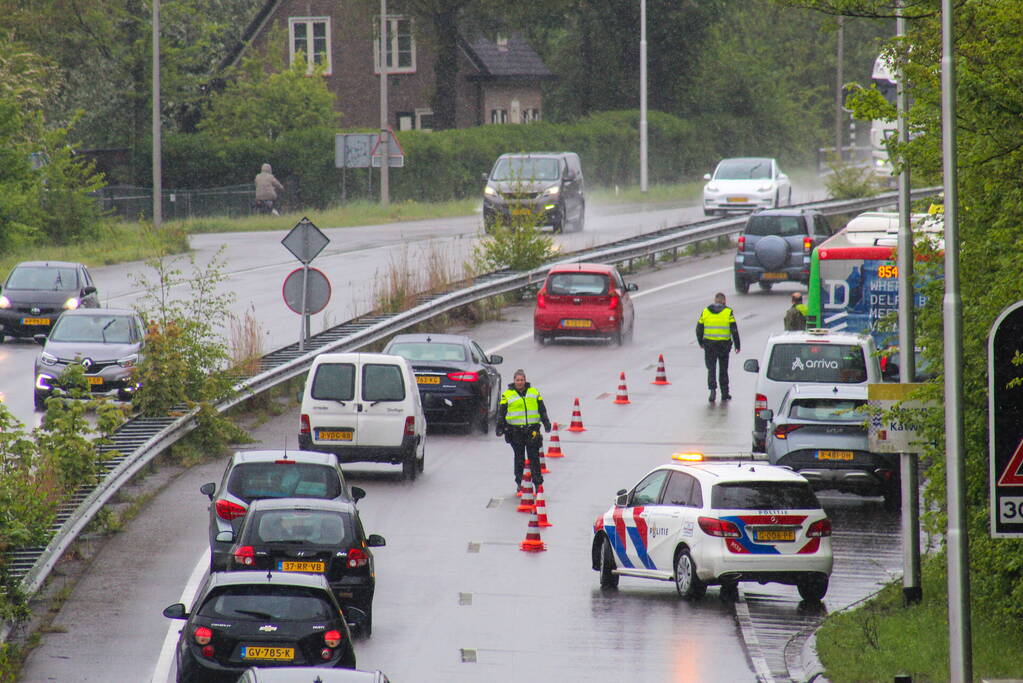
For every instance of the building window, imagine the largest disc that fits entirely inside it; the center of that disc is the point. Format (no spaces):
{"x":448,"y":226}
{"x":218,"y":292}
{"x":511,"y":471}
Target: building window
{"x":401,"y":45}
{"x":499,"y":116}
{"x":424,"y":119}
{"x":530,"y":115}
{"x":310,"y":36}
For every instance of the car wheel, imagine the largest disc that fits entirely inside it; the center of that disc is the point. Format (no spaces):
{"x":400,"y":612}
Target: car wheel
{"x":777,"y":199}
{"x":741,"y":284}
{"x":608,"y":579}
{"x":579,"y":224}
{"x":709,"y":212}
{"x":813,"y":588}
{"x":1,"y":339}
{"x":539,"y":338}
{"x":766,"y":286}
{"x":730,"y":591}
{"x":482,"y":420}
{"x":409,"y":466}
{"x":39,"y":401}
{"x":789,"y":202}
{"x":367,"y":624}
{"x":558,"y":225}
{"x":421,"y":462}
{"x":687,"y":583}
{"x":618,"y":339}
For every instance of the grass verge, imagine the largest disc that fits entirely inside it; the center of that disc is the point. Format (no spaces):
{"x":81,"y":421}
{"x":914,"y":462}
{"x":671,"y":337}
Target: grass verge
{"x":882,"y":638}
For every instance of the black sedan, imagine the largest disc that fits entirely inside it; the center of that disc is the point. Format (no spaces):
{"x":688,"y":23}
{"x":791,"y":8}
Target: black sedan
{"x":457,"y":381}
{"x":243,"y":619}
{"x":313,"y":536}
{"x":37,"y":292}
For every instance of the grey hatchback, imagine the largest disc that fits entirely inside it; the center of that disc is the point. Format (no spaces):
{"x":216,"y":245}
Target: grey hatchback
{"x":775,"y":246}
{"x":37,"y":292}
{"x":107,"y":342}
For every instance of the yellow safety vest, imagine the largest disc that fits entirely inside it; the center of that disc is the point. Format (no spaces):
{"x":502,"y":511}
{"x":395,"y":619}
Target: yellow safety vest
{"x":522,"y":410}
{"x":717,"y":326}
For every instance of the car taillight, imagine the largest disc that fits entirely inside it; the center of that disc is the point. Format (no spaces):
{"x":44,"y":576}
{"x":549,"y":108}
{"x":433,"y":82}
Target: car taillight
{"x":819,"y":529}
{"x":464,"y":376}
{"x":245,"y":555}
{"x":228,"y":510}
{"x":303,"y":425}
{"x":759,"y":403}
{"x":326,"y":653}
{"x":782,"y":431}
{"x":719,"y":527}
{"x":284,"y":461}
{"x":742,"y":242}
{"x":357,"y":558}
{"x":202,"y":636}
{"x":410,"y":426}
{"x":807,"y":244}
{"x":332,"y":638}
{"x":541,"y":299}
{"x":613,"y":304}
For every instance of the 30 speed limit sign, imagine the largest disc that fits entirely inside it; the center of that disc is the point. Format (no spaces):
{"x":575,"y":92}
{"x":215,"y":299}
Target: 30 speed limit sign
{"x":1005,"y":415}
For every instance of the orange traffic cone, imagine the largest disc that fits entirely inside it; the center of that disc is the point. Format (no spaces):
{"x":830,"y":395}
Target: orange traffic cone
{"x":623,"y":392}
{"x":577,"y":419}
{"x":554,"y":451}
{"x":527,"y":504}
{"x":541,"y":507}
{"x":533,"y":544}
{"x":543,"y":463}
{"x":661,"y":377}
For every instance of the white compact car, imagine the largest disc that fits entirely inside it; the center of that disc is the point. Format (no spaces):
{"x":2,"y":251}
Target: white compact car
{"x":745,"y":184}
{"x":364,"y":407}
{"x":699,"y":524}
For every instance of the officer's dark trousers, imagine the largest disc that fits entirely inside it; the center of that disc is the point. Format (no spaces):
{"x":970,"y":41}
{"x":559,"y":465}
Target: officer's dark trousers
{"x":522,"y":442}
{"x":715,"y":354}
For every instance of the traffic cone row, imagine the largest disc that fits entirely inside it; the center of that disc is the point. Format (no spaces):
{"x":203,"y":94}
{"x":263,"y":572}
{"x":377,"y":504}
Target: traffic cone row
{"x":541,"y":507}
{"x":533,"y":543}
{"x":623,"y":391}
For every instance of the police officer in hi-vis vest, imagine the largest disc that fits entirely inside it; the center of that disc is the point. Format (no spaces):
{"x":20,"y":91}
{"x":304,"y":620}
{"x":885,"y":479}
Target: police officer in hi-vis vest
{"x":715,"y":332}
{"x":519,"y":417}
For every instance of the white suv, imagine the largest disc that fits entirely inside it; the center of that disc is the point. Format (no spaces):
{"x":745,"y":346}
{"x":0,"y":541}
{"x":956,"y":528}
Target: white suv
{"x":816,"y":356}
{"x":701,"y":523}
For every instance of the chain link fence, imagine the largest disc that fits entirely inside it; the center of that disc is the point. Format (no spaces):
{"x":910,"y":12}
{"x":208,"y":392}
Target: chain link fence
{"x":133,"y":203}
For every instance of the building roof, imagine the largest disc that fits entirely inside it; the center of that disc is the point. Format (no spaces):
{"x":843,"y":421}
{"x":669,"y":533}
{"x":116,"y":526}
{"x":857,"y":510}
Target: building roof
{"x":511,"y":58}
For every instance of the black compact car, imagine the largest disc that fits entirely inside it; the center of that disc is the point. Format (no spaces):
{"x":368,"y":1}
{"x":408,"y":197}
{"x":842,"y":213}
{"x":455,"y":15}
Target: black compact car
{"x":37,"y":292}
{"x":253,"y":475}
{"x":457,"y":381}
{"x":244,"y":619}
{"x":314,"y":536}
{"x":775,"y":246}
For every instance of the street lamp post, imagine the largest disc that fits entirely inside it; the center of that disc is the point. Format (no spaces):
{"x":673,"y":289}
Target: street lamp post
{"x":157,"y":165}
{"x":385,"y":142}
{"x":642,"y":97}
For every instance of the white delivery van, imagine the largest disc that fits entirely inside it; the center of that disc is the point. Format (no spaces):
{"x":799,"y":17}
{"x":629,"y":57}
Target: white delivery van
{"x":364,"y":407}
{"x":815,"y":356}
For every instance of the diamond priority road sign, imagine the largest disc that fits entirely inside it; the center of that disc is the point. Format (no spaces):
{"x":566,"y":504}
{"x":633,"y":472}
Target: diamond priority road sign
{"x":305,"y":241}
{"x":1005,"y":422}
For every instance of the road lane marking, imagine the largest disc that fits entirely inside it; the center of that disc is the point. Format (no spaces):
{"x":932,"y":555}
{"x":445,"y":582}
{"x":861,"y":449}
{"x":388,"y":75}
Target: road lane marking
{"x":163,"y":665}
{"x":676,"y":283}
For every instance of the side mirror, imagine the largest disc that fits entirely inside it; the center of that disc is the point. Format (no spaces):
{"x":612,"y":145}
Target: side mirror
{"x":208,"y":489}
{"x":39,"y":339}
{"x":766,"y":414}
{"x":225,"y":537}
{"x":782,"y":176}
{"x":358,"y":493}
{"x":175,"y":611}
{"x":88,"y":290}
{"x":496,"y":359}
{"x":631,"y":287}
{"x":485,"y":177}
{"x":751,"y":365}
{"x":375,"y":541}
{"x":706,"y":176}
{"x":622,"y":498}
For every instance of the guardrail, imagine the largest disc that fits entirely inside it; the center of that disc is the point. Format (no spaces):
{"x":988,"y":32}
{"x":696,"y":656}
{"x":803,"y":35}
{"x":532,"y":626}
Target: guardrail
{"x":141,"y":439}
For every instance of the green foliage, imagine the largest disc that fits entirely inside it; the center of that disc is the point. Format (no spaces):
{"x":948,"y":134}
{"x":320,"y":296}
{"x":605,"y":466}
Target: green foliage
{"x":849,"y":181}
{"x":517,"y":245}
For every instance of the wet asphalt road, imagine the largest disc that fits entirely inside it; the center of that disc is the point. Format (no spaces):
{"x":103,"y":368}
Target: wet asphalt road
{"x":456,"y":599}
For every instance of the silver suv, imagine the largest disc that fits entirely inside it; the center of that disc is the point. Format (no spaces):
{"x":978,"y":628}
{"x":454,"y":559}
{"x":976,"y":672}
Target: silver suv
{"x":775,"y":246}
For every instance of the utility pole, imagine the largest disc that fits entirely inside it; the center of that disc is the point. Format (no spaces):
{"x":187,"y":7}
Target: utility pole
{"x":157,"y":160}
{"x":839,"y":88}
{"x":385,"y":142}
{"x":642,"y":98}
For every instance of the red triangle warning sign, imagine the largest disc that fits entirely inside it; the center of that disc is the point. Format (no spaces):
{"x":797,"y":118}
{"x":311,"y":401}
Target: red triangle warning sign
{"x":1012,"y":476}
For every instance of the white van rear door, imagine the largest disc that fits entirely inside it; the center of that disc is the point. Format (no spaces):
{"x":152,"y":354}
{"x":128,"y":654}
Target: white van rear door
{"x":332,"y":408}
{"x":384,"y":404}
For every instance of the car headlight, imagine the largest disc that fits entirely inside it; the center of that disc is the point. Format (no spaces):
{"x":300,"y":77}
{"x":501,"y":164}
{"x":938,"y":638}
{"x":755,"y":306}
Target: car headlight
{"x":4,"y":302}
{"x":43,"y":382}
{"x":489,"y":191}
{"x":711,"y":188}
{"x":47,"y":358}
{"x":766,"y":187}
{"x":552,"y":191}
{"x":71,"y":304}
{"x":128,"y":361}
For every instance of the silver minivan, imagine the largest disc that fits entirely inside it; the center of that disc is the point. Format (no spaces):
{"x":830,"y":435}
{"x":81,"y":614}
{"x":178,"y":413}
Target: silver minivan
{"x":364,"y":407}
{"x":546,"y":187}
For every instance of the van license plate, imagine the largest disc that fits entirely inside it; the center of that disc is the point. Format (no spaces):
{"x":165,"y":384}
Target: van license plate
{"x":834,"y":455}
{"x":774,"y":276}
{"x":576,"y":323}
{"x":427,"y":379}
{"x":35,"y":321}
{"x":774,"y":535}
{"x":335,"y":434}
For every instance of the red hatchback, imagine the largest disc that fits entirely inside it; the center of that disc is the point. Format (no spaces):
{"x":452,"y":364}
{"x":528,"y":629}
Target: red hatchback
{"x":584,"y":300}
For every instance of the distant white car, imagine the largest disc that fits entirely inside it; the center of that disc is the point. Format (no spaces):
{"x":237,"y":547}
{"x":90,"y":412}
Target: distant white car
{"x":745,"y":184}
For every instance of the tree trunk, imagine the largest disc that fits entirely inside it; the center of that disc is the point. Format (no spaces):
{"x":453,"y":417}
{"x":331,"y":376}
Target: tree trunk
{"x":445,"y":93}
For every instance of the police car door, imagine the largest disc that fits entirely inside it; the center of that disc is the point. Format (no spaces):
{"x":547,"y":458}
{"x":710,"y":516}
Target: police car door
{"x":683,"y":501}
{"x":636,"y":527}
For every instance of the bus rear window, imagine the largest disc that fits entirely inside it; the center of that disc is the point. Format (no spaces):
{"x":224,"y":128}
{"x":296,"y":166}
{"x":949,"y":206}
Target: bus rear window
{"x":810,"y":362}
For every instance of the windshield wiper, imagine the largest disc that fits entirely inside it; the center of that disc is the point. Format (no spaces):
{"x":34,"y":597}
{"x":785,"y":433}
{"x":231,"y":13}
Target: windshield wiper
{"x":103,"y":330}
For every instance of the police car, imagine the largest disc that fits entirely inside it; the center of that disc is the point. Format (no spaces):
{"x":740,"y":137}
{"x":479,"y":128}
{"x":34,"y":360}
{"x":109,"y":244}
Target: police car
{"x":703,"y":523}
